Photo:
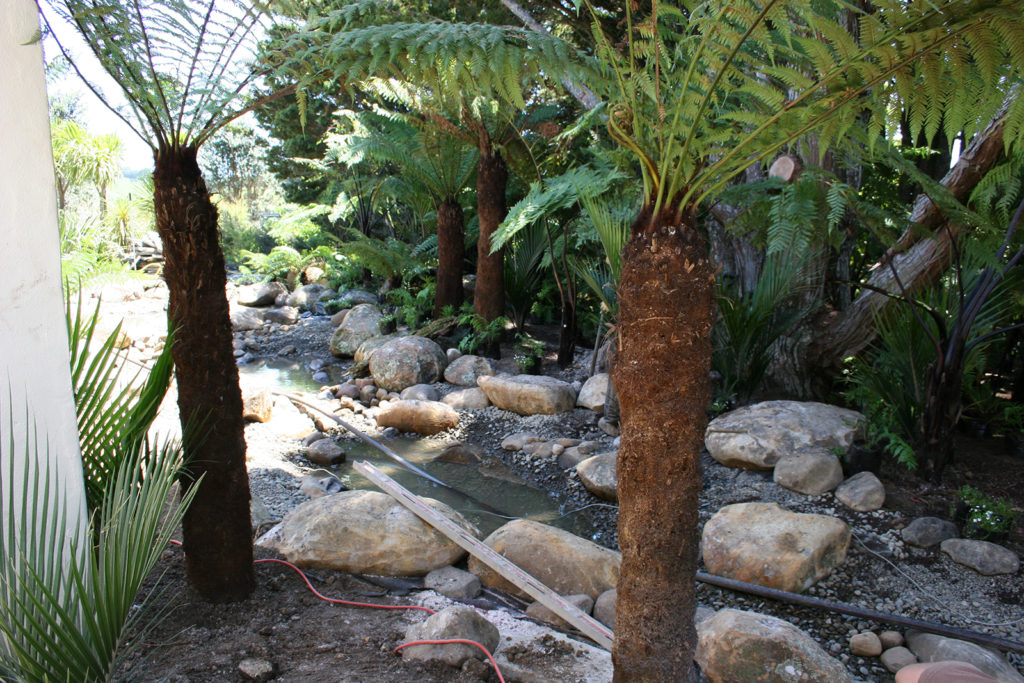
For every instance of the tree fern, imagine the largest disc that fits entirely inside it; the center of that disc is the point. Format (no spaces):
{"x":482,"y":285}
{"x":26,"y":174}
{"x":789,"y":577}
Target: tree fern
{"x":187,"y":64}
{"x":738,"y":79}
{"x":554,"y":194}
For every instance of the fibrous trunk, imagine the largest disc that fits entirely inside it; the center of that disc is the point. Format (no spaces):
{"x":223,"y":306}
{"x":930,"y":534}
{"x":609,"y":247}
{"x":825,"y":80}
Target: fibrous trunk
{"x":451,"y":250}
{"x":492,"y":177}
{"x":661,"y":369}
{"x":217,"y":528}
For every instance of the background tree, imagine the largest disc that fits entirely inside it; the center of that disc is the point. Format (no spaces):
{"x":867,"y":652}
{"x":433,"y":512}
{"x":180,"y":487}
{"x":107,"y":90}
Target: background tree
{"x":183,"y":67}
{"x":701,"y":93}
{"x":429,"y":159}
{"x":478,"y":77}
{"x":84,"y":159}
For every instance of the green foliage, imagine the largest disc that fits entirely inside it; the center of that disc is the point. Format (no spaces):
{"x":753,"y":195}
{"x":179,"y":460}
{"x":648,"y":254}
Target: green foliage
{"x":747,"y":327}
{"x":528,"y":353}
{"x":286,"y":263}
{"x":114,"y":415}
{"x":427,"y":158}
{"x":82,"y":158}
{"x":296,"y":226}
{"x":411,"y":309}
{"x":390,"y":259}
{"x":182,"y":66}
{"x":235,"y":166}
{"x":986,"y":516}
{"x":450,"y":58}
{"x":580,"y":184}
{"x":524,"y":273}
{"x":887,"y":384}
{"x":68,"y":601}
{"x":481,"y":332}
{"x":68,"y":595}
{"x":704,"y":91}
{"x":239,"y":234}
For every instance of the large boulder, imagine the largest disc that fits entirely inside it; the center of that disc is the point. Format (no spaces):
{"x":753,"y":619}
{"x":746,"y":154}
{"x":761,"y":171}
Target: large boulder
{"x":365,"y":532}
{"x":562,"y":561}
{"x":766,"y":544}
{"x":285,"y":315}
{"x":403,"y":362}
{"x":421,"y":417}
{"x":594,"y":392}
{"x":599,"y":475}
{"x":420,"y":392}
{"x":364,"y":352}
{"x":863,"y":492}
{"x":930,"y":647}
{"x":810,"y":471}
{"x":745,"y":646}
{"x":244,"y":319}
{"x":759,"y":435}
{"x":305,"y":297}
{"x":261,"y":294}
{"x":470,"y":398}
{"x":358,"y":296}
{"x":464,"y":370}
{"x":983,"y":557}
{"x":924,"y":532}
{"x":528,"y":394}
{"x":458,"y":622}
{"x":361,"y":323}
{"x":257,"y":405}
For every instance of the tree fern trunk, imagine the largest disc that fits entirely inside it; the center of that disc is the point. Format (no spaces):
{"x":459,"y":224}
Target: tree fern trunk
{"x":217,"y":527}
{"x":661,"y":369}
{"x":451,"y":250}
{"x":489,"y":295}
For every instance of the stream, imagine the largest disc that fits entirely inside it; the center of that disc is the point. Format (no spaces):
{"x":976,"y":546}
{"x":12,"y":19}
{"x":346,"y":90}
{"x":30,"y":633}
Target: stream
{"x":488,"y":494}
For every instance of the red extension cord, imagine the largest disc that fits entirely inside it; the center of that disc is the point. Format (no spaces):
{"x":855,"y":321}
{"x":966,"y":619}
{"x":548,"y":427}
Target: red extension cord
{"x":349,"y":603}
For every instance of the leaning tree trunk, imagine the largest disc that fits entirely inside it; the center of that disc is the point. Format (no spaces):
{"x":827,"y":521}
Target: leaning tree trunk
{"x":217,"y":527}
{"x":917,"y":258}
{"x":666,"y":299}
{"x":451,"y":250}
{"x":489,"y":295}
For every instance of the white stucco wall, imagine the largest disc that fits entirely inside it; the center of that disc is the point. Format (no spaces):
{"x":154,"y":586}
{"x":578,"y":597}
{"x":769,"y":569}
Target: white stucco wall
{"x":33,"y":340}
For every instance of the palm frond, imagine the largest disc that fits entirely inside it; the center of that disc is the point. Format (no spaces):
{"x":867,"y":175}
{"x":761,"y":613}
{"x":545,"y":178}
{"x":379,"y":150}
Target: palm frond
{"x":114,"y":415}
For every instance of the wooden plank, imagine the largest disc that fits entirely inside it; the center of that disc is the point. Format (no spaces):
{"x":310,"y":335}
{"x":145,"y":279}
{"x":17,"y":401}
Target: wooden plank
{"x":589,"y":626}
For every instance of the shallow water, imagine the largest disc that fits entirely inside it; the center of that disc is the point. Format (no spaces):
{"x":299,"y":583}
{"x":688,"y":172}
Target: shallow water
{"x":286,"y":374}
{"x":488,"y":494}
{"x":488,"y":489}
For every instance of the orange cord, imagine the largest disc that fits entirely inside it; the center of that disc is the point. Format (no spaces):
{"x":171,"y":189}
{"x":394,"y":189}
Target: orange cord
{"x":368,"y":604}
{"x":457,"y":640}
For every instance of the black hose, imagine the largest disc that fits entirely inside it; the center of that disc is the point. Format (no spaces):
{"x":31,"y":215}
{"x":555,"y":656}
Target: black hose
{"x":842,"y":608}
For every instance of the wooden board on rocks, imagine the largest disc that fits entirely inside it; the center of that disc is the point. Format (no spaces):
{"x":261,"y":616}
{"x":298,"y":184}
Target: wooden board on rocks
{"x":589,"y":626}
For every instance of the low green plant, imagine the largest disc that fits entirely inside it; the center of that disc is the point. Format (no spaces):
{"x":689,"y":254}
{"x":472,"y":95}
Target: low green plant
{"x":985,"y":516}
{"x":748,"y":325}
{"x":68,"y":593}
{"x":411,"y":308}
{"x":528,"y":352}
{"x":481,"y":332}
{"x":334,"y":305}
